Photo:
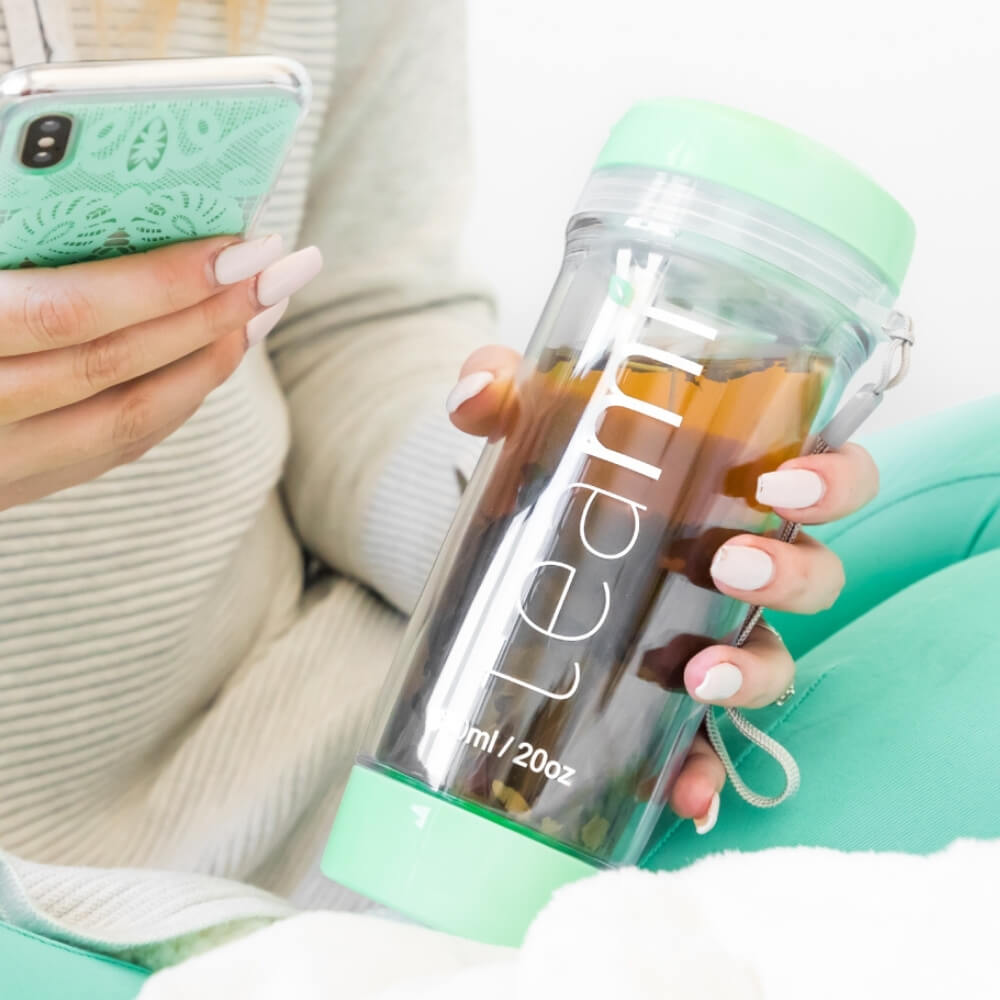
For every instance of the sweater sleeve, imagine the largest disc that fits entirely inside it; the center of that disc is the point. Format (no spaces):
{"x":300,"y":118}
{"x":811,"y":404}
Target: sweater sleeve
{"x":371,"y":347}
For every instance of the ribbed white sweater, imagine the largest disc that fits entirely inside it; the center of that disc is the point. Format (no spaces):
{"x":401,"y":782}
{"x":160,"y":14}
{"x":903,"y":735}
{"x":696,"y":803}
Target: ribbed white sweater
{"x":170,"y":695}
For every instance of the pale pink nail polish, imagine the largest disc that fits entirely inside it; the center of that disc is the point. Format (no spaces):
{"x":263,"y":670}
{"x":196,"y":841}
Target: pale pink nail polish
{"x":468,"y":388}
{"x":742,"y":567}
{"x":719,"y":683}
{"x":244,"y":260}
{"x":288,"y":275}
{"x":703,"y":824}
{"x":263,"y":323}
{"x":792,"y":488}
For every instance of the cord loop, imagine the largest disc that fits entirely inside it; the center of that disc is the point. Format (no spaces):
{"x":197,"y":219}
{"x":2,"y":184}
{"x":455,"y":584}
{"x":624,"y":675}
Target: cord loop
{"x":898,"y":327}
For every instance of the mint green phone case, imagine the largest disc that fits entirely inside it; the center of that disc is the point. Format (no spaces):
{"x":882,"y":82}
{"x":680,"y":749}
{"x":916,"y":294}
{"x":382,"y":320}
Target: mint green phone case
{"x":140,"y":174}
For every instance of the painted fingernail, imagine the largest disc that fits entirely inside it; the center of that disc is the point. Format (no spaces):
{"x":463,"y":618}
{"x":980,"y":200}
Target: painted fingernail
{"x":288,"y":275}
{"x":705,"y":823}
{"x":721,"y":682}
{"x":742,"y":567}
{"x":244,"y":260}
{"x":794,"y":488}
{"x":467,"y":388}
{"x":263,"y":323}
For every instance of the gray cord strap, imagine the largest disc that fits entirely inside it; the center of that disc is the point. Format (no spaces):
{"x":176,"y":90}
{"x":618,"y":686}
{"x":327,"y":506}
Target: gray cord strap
{"x":899,"y":328}
{"x":770,"y":746}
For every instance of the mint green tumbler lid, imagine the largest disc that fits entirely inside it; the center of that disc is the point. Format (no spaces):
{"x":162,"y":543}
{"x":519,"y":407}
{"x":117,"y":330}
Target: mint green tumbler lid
{"x":442,"y":863}
{"x":773,"y":163}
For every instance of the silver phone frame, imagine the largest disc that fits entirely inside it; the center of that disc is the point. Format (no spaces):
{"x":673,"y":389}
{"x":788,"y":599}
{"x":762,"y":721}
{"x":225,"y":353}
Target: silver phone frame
{"x":157,"y":76}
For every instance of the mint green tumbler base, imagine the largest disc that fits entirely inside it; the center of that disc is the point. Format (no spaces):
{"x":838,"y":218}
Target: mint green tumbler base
{"x":448,"y":867}
{"x":38,"y":968}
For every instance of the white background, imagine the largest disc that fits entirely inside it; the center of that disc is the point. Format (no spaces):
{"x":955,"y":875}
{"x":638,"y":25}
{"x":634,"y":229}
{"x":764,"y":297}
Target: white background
{"x":913,"y":98}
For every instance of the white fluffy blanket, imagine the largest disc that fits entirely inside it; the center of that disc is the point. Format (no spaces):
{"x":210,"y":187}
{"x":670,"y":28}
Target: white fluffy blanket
{"x":785,"y":924}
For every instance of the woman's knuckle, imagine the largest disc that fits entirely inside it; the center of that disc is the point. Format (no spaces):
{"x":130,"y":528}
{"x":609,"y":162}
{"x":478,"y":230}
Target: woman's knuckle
{"x":133,"y":452}
{"x":798,"y":577}
{"x":819,"y":581}
{"x":861,"y":469}
{"x":211,"y":315}
{"x":173,"y":272}
{"x":137,"y":449}
{"x":134,"y":419}
{"x":56,"y":317}
{"x":823,"y":602}
{"x":104,"y":362}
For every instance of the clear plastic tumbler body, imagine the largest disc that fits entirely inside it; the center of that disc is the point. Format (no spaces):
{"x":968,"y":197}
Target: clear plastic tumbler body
{"x":696,"y":337}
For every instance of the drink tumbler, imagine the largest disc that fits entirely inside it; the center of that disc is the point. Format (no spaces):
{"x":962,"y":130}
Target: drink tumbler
{"x":720,"y":286}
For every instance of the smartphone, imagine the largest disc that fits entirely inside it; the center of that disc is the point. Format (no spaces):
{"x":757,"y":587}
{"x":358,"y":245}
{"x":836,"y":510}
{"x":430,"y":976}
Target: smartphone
{"x":99,"y":159}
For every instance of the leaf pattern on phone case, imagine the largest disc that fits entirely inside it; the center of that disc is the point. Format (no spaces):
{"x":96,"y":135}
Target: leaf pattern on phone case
{"x":59,"y":230}
{"x":186,"y":211}
{"x":149,"y":145}
{"x":140,"y":175}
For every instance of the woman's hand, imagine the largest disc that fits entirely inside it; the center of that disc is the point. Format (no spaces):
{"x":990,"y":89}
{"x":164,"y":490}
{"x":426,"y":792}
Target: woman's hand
{"x":803,"y":576}
{"x":100,"y":361}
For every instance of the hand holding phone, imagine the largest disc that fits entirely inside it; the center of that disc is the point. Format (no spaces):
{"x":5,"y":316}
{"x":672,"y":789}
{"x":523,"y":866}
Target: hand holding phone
{"x":99,"y":361}
{"x":102,"y":358}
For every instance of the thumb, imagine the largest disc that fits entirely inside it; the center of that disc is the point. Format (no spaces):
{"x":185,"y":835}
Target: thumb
{"x":484,"y":401}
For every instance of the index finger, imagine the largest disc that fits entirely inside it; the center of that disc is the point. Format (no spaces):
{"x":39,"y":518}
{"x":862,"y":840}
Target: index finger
{"x":815,"y":489}
{"x":47,"y":308}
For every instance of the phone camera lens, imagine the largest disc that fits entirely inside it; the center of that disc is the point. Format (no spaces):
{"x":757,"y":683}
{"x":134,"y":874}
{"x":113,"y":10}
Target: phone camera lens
{"x":46,"y":140}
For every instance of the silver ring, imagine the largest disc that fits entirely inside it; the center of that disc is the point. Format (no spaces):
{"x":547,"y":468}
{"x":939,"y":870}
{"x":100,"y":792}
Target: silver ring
{"x":766,"y":624}
{"x":786,"y":694}
{"x":790,"y":690}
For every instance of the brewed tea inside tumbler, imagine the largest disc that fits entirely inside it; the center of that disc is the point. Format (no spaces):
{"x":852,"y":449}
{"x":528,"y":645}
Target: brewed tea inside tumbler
{"x":548,"y":683}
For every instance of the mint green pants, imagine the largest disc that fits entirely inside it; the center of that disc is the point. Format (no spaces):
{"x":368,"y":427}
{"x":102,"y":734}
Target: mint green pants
{"x":896,"y":720}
